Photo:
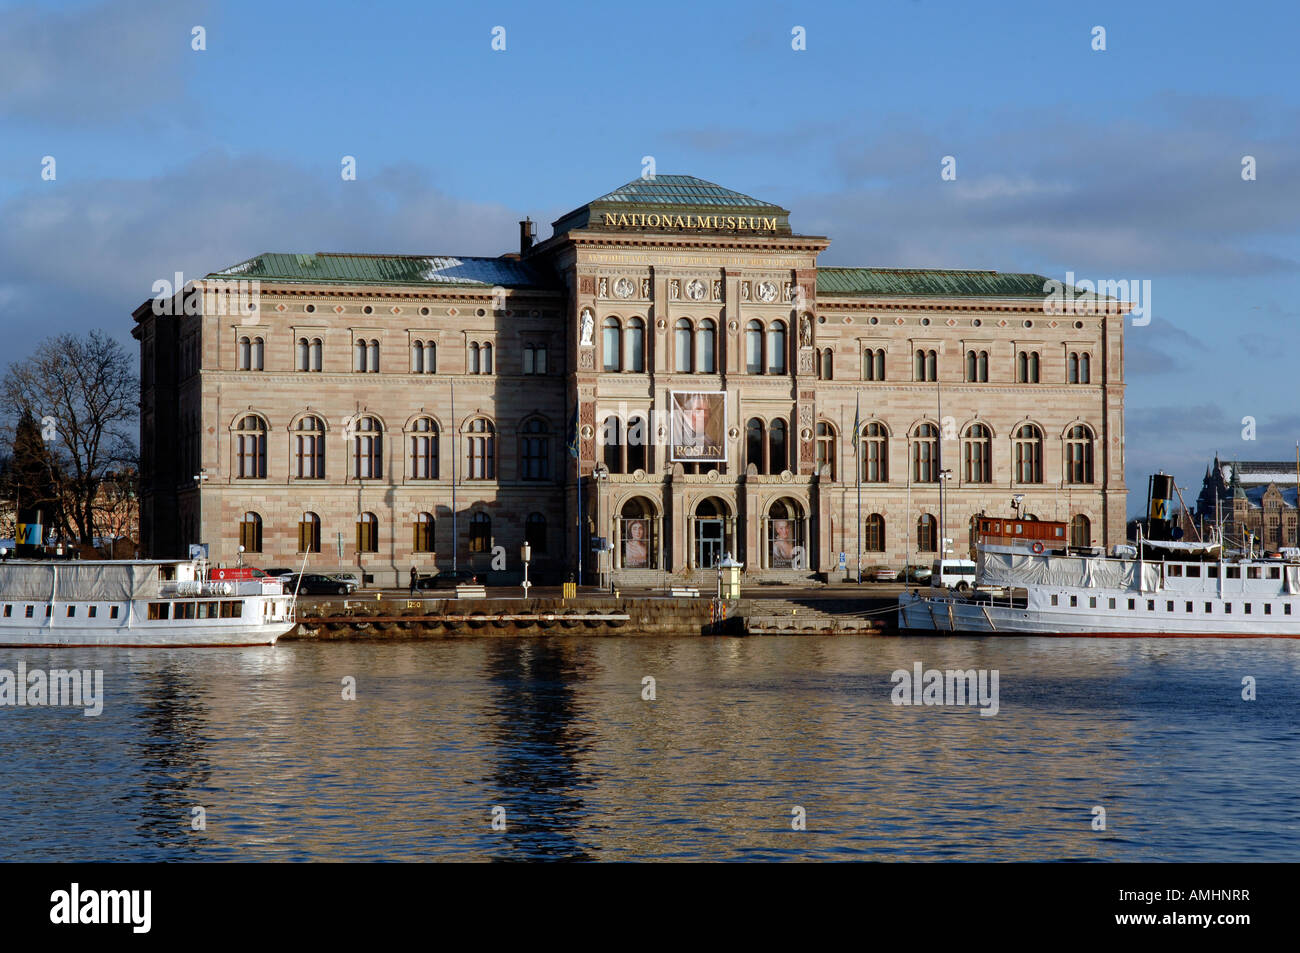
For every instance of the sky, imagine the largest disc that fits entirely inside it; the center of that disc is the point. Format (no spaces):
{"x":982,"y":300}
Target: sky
{"x":1122,"y":163}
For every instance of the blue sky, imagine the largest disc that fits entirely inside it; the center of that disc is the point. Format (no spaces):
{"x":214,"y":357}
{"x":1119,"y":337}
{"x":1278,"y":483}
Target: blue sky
{"x":1117,"y":164}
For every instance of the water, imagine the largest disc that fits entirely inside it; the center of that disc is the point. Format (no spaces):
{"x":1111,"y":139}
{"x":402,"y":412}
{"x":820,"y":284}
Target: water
{"x":556,"y":732}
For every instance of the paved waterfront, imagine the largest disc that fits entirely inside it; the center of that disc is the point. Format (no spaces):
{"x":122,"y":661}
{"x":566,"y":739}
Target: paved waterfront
{"x":742,"y":731}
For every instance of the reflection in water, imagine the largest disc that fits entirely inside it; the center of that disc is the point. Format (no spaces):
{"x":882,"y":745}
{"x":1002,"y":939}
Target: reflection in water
{"x":538,"y":741}
{"x":742,"y":731}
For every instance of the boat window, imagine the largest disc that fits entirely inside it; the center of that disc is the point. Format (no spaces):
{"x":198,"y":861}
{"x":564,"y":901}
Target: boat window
{"x":48,"y":611}
{"x":1132,"y":604}
{"x":1194,"y":572}
{"x":9,"y":611}
{"x":1054,"y":600}
{"x":184,"y":610}
{"x":1247,"y":608}
{"x":1169,"y":605}
{"x":112,"y":612}
{"x":1232,"y":572}
{"x":92,"y":611}
{"x":1174,"y":569}
{"x":1227,"y":608}
{"x":1268,"y":608}
{"x":1211,"y":572}
{"x":72,"y":612}
{"x":1286,"y":608}
{"x":1112,"y":603}
{"x":29,"y":612}
{"x":1019,"y":529}
{"x":1189,"y":607}
{"x":1209,"y":607}
{"x":1074,"y":602}
{"x":1060,"y":531}
{"x":1092,"y":602}
{"x":1274,"y":572}
{"x":1252,"y":572}
{"x":1151,"y":605}
{"x":159,"y":610}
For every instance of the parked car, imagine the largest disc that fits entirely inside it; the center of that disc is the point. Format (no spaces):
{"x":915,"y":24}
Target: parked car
{"x":316,"y":584}
{"x":348,"y":577}
{"x":280,"y":572}
{"x":955,"y":573}
{"x":917,"y":574}
{"x":885,"y":575}
{"x":447,"y":580}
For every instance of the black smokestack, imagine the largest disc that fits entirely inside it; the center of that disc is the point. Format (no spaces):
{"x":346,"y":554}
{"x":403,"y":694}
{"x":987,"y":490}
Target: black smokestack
{"x":526,"y":234}
{"x":1160,"y":507}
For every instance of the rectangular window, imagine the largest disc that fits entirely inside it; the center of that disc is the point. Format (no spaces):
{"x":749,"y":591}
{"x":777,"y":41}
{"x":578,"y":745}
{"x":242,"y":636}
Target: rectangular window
{"x":1074,"y":602}
{"x":1194,"y":572}
{"x":1247,"y":609}
{"x":1151,"y":605}
{"x":1054,"y":599}
{"x":1092,"y":602}
{"x":1169,"y":605}
{"x":1232,"y":572}
{"x":158,"y":610}
{"x":1286,"y":608}
{"x":93,"y":611}
{"x":1112,"y":603}
{"x":1227,"y":608}
{"x":72,"y":612}
{"x":9,"y":611}
{"x":112,"y":612}
{"x":1189,"y":607}
{"x":1211,"y":572}
{"x":1274,"y":572}
{"x":1252,"y":572}
{"x":1173,"y":569}
{"x":1209,"y":607}
{"x":1268,"y":608}
{"x":1132,"y":604}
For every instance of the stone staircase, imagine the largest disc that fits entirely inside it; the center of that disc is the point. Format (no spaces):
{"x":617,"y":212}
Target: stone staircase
{"x":825,"y":617}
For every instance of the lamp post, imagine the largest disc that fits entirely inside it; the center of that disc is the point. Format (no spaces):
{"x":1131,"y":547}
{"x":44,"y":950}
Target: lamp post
{"x":199,"y":479}
{"x":944,"y":476}
{"x":526,"y":553}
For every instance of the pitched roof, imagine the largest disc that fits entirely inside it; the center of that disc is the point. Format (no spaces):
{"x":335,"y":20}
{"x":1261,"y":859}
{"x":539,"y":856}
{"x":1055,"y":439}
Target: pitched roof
{"x":329,"y":268}
{"x":930,"y":282}
{"x":676,"y":192}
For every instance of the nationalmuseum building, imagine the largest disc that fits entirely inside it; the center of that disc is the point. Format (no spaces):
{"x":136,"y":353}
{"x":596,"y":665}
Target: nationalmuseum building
{"x":378,"y":412}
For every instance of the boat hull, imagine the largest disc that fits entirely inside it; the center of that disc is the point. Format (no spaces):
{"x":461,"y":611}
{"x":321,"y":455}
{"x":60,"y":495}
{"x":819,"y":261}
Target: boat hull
{"x":174,"y":636}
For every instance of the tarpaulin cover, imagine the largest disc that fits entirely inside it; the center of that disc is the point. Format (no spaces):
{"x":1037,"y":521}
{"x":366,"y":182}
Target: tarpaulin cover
{"x":1022,"y":569}
{"x":77,"y":581}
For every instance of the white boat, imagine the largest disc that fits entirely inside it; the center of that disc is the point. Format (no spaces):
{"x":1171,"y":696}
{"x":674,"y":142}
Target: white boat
{"x":1030,"y":582}
{"x":155,"y":603}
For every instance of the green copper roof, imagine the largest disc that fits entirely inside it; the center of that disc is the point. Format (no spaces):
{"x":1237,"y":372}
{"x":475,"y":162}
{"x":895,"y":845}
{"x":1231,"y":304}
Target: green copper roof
{"x":891,"y":282}
{"x":682,"y":195}
{"x":386,"y":270}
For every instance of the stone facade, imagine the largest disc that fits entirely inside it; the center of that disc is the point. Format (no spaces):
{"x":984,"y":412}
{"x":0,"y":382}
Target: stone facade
{"x":599,"y":325}
{"x":1254,"y":499}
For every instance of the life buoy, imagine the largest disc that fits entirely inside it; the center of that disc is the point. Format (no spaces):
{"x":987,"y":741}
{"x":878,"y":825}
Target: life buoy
{"x":1037,"y":547}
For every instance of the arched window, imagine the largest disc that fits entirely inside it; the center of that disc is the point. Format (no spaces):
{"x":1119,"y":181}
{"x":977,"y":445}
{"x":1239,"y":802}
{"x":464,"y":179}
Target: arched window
{"x":1072,"y":368}
{"x":925,"y":454}
{"x":873,"y":534}
{"x":474,"y":363}
{"x":417,"y":357}
{"x":1080,"y":531}
{"x":635,"y":346}
{"x":977,"y":366}
{"x":873,"y":364}
{"x":776,"y":338}
{"x":611,"y":439}
{"x":309,"y":449}
{"x":1078,"y":455}
{"x":826,"y":364}
{"x":535,"y":454}
{"x":827,"y":459}
{"x":612,"y":344}
{"x":1085,"y":368}
{"x":480,"y":533}
{"x":431,"y":357}
{"x":250,"y":533}
{"x":485,"y":359}
{"x":777,"y":446}
{"x":706,"y":347}
{"x":368,"y":449}
{"x":637,"y":440}
{"x":927,"y":534}
{"x":683,"y":337}
{"x":367,"y":533}
{"x":926,"y":365}
{"x":754,"y":348}
{"x":976,"y":454}
{"x":250,"y":448}
{"x":245,"y":354}
{"x":309,"y":533}
{"x":424,"y":449}
{"x":754,"y":444}
{"x":1027,"y":367}
{"x":1029,"y":454}
{"x":875,"y":453}
{"x":535,"y":533}
{"x":480,"y":441}
{"x":303,"y":355}
{"x":422,"y":532}
{"x":317,"y":355}
{"x":259,"y":354}
{"x":359,"y":357}
{"x":373,"y":367}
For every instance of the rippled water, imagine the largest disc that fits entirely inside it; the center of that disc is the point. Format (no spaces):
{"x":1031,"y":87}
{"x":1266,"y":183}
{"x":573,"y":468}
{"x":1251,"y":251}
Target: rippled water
{"x":556,"y":732}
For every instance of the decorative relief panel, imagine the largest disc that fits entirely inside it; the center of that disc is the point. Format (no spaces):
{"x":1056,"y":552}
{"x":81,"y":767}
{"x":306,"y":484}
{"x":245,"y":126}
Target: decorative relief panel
{"x":586,"y":284}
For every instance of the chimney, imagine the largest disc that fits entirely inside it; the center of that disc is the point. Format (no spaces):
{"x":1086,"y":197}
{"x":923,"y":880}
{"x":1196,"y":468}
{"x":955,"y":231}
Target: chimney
{"x":526,"y":233}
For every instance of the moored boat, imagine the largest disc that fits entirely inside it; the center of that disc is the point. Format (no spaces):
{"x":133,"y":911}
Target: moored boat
{"x":153,"y":603}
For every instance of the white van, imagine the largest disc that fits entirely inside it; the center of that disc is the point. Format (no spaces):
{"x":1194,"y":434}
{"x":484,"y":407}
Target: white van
{"x":953,"y":573}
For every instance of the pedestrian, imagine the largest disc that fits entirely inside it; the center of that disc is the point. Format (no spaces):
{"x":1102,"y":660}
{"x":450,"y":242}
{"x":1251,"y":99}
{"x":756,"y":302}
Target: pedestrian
{"x":414,"y":577}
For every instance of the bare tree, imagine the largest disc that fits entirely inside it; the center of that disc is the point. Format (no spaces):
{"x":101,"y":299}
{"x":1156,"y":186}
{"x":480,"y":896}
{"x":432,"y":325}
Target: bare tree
{"x":85,"y":395}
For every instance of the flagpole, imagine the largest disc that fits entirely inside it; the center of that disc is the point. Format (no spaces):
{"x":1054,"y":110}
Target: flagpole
{"x":857,"y":458}
{"x":455,"y":465}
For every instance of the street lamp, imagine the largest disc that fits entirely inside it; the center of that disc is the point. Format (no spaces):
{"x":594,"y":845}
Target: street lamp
{"x":944,"y":476}
{"x":526,"y":553}
{"x":199,"y":479}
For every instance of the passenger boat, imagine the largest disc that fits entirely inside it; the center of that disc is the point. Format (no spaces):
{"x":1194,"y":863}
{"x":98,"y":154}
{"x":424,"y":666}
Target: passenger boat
{"x":154,"y":603}
{"x":1030,"y":581}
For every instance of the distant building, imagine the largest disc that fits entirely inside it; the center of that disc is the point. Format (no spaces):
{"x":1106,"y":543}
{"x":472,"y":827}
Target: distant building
{"x":1251,"y":496}
{"x":386,"y":411}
